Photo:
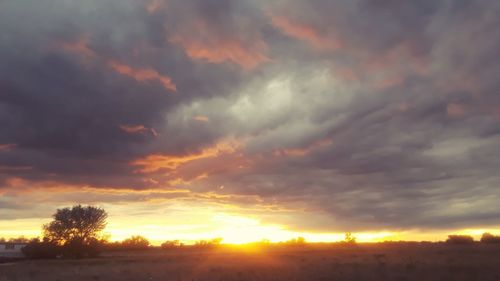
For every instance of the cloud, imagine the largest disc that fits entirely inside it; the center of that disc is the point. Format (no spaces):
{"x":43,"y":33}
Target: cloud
{"x":214,"y":48}
{"x":7,"y":146}
{"x":354,"y":115}
{"x":155,"y":162}
{"x":142,"y":75}
{"x":304,"y":32}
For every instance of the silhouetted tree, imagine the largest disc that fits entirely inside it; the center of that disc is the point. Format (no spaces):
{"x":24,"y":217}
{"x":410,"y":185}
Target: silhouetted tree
{"x":489,"y":238}
{"x":208,"y":243}
{"x":349,"y":239}
{"x":460,"y":239}
{"x":299,"y":241}
{"x":77,"y":230}
{"x":135,"y":243}
{"x":171,"y":244}
{"x":20,"y":239}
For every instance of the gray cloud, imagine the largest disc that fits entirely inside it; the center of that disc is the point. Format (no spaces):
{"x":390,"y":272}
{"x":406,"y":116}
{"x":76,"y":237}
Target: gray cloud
{"x":370,"y":114}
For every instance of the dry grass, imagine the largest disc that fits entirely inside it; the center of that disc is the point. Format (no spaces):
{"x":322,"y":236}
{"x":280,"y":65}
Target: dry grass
{"x":319,"y":262}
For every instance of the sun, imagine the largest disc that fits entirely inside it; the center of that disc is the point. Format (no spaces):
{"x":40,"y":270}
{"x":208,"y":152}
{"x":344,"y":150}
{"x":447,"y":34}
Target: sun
{"x":240,"y":230}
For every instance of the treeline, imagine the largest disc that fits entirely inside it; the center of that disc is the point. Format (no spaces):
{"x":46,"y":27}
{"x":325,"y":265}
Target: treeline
{"x":77,"y":233}
{"x":20,"y":239}
{"x":486,"y":238}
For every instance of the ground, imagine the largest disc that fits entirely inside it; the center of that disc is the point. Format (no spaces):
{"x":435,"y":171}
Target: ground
{"x":318,"y":262}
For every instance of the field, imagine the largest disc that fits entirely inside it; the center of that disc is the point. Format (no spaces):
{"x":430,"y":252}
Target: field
{"x":313,"y":262}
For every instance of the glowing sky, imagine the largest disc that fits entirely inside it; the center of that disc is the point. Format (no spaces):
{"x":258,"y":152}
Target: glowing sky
{"x":250,"y":119}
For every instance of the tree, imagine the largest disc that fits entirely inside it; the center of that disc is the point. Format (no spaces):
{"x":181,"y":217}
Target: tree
{"x":460,"y":239}
{"x":299,"y":241}
{"x":490,"y":238}
{"x":171,"y":244}
{"x":349,"y":239}
{"x":208,"y":243}
{"x":77,"y":229}
{"x":135,"y":243}
{"x":20,"y":239}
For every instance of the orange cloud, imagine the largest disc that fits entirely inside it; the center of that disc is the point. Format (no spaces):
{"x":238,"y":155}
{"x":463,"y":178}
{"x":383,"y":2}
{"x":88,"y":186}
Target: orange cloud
{"x":304,"y":32}
{"x":215,"y":48}
{"x":138,"y":129}
{"x":155,"y":162}
{"x":296,"y":152}
{"x":7,"y":146}
{"x":141,"y":74}
{"x":133,"y":129}
{"x":222,"y":51}
{"x":79,"y":47}
{"x":201,"y":118}
{"x":153,"y":6}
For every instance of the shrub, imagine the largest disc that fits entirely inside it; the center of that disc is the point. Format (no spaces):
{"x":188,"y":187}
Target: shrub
{"x":460,"y":239}
{"x":208,"y":243}
{"x":349,"y":239}
{"x":135,"y":243}
{"x":490,"y":238}
{"x":171,"y":244}
{"x":45,"y":249}
{"x":299,"y":241}
{"x":78,"y":248}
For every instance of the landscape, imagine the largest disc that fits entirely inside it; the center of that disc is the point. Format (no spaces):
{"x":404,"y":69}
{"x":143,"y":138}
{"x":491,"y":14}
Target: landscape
{"x":384,"y":261}
{"x":233,"y":140}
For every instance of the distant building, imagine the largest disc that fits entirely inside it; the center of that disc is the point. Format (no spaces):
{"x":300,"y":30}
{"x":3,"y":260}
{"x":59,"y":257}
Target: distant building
{"x":11,"y":249}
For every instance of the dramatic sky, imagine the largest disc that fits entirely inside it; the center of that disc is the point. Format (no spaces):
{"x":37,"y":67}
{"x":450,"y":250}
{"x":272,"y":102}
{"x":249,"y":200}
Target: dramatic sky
{"x":252,"y":119}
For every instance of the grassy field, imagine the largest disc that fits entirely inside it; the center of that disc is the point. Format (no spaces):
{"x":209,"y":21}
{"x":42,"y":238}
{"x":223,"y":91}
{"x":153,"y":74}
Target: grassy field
{"x":313,"y":262}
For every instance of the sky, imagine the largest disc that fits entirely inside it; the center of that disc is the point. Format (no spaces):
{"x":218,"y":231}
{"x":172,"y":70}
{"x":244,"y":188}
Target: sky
{"x":252,"y":119}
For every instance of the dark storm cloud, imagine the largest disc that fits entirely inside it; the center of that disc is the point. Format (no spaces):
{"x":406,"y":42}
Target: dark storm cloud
{"x":371,"y":114}
{"x":63,"y":108}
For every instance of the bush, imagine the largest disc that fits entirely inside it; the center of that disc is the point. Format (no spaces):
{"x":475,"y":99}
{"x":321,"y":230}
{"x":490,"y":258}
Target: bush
{"x":171,"y":244}
{"x":460,"y":239}
{"x":45,"y":249}
{"x":349,"y":239}
{"x":77,"y":248}
{"x":135,"y":243}
{"x":213,"y":243}
{"x":489,"y":238}
{"x":299,"y":241}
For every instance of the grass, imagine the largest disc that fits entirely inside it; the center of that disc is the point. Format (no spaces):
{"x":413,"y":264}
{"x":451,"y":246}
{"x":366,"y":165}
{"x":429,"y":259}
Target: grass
{"x":312,"y":262}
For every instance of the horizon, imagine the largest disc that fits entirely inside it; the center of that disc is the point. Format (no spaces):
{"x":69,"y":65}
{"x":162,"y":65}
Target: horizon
{"x":252,"y":119}
{"x":243,"y":231}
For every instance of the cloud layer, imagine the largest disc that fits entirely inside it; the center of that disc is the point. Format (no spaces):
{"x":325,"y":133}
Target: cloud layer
{"x":351,"y":115}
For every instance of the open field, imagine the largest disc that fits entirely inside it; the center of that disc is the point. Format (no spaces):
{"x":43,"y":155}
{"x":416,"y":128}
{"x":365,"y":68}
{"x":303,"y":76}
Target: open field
{"x":316,"y":262}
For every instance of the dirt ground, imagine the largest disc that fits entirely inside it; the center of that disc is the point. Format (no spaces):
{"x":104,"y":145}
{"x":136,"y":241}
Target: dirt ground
{"x":319,"y":262}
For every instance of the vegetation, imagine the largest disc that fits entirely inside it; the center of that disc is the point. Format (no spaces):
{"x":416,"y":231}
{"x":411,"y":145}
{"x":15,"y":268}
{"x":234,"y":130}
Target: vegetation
{"x":398,"y":261}
{"x":208,"y":243}
{"x":136,"y":243}
{"x":44,"y":249}
{"x":19,"y":239}
{"x":349,"y":239}
{"x":490,"y":238}
{"x":460,"y":239}
{"x":74,"y":232}
{"x":299,"y":241}
{"x":171,"y":244}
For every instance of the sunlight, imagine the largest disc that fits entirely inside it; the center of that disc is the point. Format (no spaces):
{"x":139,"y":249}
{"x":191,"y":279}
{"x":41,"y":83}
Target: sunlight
{"x":233,"y":229}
